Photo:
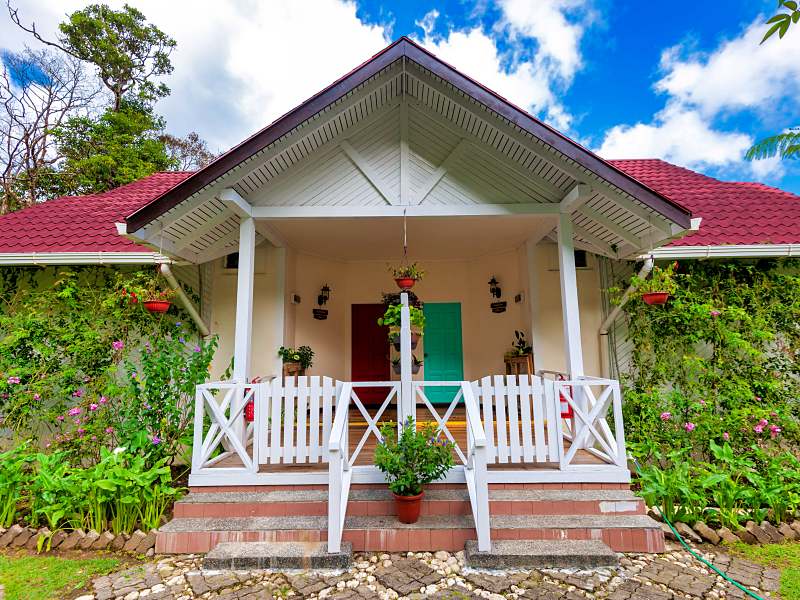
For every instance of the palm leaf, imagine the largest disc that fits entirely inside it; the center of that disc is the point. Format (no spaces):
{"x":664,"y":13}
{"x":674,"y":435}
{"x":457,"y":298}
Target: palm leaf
{"x":785,"y":145}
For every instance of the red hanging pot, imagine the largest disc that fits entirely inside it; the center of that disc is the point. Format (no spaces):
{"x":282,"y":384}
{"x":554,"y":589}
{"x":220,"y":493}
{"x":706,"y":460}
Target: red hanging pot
{"x":653,"y":298}
{"x":408,"y":507}
{"x":405,"y":283}
{"x":157,"y":306}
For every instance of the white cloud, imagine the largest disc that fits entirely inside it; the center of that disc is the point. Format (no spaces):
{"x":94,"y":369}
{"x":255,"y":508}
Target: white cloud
{"x":739,"y":75}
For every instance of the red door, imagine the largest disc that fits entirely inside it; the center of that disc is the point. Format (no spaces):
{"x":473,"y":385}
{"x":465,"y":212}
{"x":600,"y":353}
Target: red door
{"x":370,"y":344}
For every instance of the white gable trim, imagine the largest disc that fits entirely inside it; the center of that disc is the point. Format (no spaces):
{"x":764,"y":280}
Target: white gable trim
{"x":730,"y":251}
{"x":82,"y":258}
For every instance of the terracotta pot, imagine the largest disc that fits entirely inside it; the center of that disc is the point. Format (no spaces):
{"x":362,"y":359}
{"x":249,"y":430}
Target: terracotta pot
{"x":405,"y":283}
{"x":414,"y":341}
{"x":408,"y":507}
{"x":655,"y":297}
{"x":157,"y":306}
{"x":291,"y":369}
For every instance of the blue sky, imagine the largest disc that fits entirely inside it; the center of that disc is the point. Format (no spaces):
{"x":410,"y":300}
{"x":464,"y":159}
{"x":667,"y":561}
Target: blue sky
{"x":679,"y":80}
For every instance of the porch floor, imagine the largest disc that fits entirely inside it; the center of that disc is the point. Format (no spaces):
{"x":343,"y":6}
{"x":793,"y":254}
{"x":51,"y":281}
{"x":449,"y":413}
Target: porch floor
{"x":456,"y":424}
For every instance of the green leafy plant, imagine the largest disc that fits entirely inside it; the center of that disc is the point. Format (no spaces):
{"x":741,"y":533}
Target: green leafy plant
{"x":303,"y":355}
{"x":143,"y":286}
{"x":13,"y":465}
{"x":520,"y":347}
{"x":412,"y":271}
{"x":416,"y":458}
{"x":392,"y":318}
{"x":660,"y":280}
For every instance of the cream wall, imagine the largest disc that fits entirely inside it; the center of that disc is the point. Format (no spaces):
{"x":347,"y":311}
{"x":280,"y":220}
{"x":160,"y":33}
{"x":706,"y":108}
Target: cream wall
{"x":486,"y":335}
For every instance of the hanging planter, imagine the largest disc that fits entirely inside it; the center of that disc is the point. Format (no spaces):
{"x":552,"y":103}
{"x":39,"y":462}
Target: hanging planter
{"x":406,"y":276}
{"x":394,"y":337}
{"x":655,"y":298}
{"x":415,"y":365}
{"x":157,"y":306}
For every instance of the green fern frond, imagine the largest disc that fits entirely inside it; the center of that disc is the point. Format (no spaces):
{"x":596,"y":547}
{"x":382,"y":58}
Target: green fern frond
{"x":785,"y":145}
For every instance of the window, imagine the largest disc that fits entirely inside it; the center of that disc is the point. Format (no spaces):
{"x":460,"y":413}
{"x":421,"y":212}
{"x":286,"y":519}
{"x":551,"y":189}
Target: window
{"x":232,"y":261}
{"x":581,"y":260}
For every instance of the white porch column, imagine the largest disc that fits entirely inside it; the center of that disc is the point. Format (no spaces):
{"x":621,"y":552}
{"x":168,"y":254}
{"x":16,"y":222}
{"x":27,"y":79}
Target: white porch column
{"x":244,"y":300}
{"x":407,"y":401}
{"x":569,"y":297}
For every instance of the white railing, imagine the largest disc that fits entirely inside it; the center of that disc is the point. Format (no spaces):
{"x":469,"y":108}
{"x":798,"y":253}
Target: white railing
{"x":228,"y":436}
{"x":340,"y":460}
{"x":591,"y":399}
{"x":475,"y":471}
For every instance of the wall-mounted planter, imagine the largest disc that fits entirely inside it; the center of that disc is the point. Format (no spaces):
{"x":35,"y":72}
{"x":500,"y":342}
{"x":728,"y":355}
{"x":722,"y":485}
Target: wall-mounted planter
{"x":320,"y":314}
{"x":414,"y":341}
{"x":655,"y":298}
{"x":499,"y":307}
{"x":157,"y":306}
{"x":414,"y":368}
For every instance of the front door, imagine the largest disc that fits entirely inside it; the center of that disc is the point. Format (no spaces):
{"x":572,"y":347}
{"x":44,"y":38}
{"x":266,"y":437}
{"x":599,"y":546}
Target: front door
{"x":370,"y":351}
{"x":444,"y":360}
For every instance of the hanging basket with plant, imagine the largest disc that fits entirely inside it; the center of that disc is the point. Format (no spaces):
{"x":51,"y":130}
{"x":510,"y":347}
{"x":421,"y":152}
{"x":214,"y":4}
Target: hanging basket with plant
{"x":418,"y":457}
{"x":659,"y":286}
{"x":392,"y":319}
{"x":405,"y":276}
{"x":148,"y":288}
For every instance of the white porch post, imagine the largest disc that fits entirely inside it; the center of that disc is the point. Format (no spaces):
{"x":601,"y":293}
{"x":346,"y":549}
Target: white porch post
{"x":407,"y":401}
{"x":569,"y":297}
{"x":244,"y":300}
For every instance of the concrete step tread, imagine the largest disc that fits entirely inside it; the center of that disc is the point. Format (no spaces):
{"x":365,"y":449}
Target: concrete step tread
{"x":505,"y":554}
{"x":427,"y":522}
{"x":454,"y":495}
{"x":277,"y":555}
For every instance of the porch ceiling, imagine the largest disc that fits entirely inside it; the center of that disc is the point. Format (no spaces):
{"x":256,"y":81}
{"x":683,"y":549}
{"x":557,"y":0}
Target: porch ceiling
{"x":429,"y":238}
{"x":411,"y":135}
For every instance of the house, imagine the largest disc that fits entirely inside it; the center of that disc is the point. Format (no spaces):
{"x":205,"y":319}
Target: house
{"x":407,"y":154}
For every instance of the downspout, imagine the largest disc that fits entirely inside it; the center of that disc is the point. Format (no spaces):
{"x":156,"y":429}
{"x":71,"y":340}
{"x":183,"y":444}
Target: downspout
{"x":186,"y":302}
{"x":612,"y":316}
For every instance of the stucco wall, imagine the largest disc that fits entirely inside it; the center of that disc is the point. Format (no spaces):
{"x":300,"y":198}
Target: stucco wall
{"x":486,"y":335}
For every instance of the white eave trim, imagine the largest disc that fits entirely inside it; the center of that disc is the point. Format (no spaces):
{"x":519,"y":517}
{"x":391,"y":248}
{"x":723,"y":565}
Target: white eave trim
{"x":731,"y":251}
{"x":83,"y":258}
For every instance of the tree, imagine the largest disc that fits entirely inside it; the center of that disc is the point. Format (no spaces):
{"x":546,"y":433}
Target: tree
{"x":786,"y":144}
{"x":129,"y":53}
{"x":39,"y":91}
{"x":190,"y":153}
{"x":118,"y":147}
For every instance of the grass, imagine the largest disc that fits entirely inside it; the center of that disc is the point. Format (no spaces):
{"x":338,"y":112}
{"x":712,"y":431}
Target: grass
{"x":27,"y":577}
{"x":785,"y":557}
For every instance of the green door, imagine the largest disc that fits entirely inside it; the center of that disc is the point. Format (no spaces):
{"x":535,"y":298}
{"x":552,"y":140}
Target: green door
{"x":442,"y":344}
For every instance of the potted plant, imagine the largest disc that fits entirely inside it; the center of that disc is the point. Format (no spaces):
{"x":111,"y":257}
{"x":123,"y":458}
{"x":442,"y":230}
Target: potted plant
{"x":659,"y":286}
{"x":410,"y":462}
{"x":296,"y":360}
{"x":146,"y":286}
{"x":405,"y":276}
{"x":415,"y":365}
{"x":391,"y":319}
{"x":520,"y":346}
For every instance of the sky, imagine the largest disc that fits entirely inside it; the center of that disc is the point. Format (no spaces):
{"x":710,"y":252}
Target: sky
{"x":676,"y":80}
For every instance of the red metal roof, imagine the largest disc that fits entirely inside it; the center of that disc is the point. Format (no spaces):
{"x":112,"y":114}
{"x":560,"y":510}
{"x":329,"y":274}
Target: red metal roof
{"x":740,"y":213}
{"x":82,"y":223}
{"x":732,"y":212}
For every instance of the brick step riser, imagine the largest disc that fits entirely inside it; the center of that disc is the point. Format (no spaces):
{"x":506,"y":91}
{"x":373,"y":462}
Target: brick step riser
{"x":405,"y":540}
{"x":379,"y":508}
{"x":441,"y":486}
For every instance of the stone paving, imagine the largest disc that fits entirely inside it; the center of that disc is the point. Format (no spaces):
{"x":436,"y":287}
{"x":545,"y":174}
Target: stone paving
{"x":440,"y":576}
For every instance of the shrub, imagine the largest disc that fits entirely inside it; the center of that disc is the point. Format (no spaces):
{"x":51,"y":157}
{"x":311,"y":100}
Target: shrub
{"x":417,"y":458}
{"x":303,"y":355}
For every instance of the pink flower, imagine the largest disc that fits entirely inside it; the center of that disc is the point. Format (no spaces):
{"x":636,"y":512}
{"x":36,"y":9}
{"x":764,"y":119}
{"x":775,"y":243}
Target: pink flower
{"x":93,"y":406}
{"x":81,"y":432}
{"x":758,"y":428}
{"x":714,"y":313}
{"x":77,"y":393}
{"x":689,"y":426}
{"x":757,"y":398}
{"x":763,"y":423}
{"x":156,"y":440}
{"x":726,"y":436}
{"x":103,"y":399}
{"x":37,"y":397}
{"x":774,"y":430}
{"x":702,"y":402}
{"x":60,"y":418}
{"x":117,"y":344}
{"x":197,"y":348}
{"x":666,"y":416}
{"x":13,"y":380}
{"x":74,"y":411}
{"x":109,"y":430}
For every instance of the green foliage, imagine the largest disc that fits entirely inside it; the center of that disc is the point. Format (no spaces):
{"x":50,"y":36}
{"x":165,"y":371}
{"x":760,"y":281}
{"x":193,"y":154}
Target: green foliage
{"x":780,"y":22}
{"x":785,"y":145}
{"x":520,"y":346}
{"x":26,"y":577}
{"x":116,"y":148}
{"x":12,"y":476}
{"x":127,"y":51}
{"x":417,"y":458}
{"x":304,"y":355}
{"x":391,"y":318}
{"x":412,"y":271}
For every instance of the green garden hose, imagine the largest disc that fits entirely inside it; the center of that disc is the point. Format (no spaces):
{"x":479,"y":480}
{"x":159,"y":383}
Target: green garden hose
{"x":718,"y":571}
